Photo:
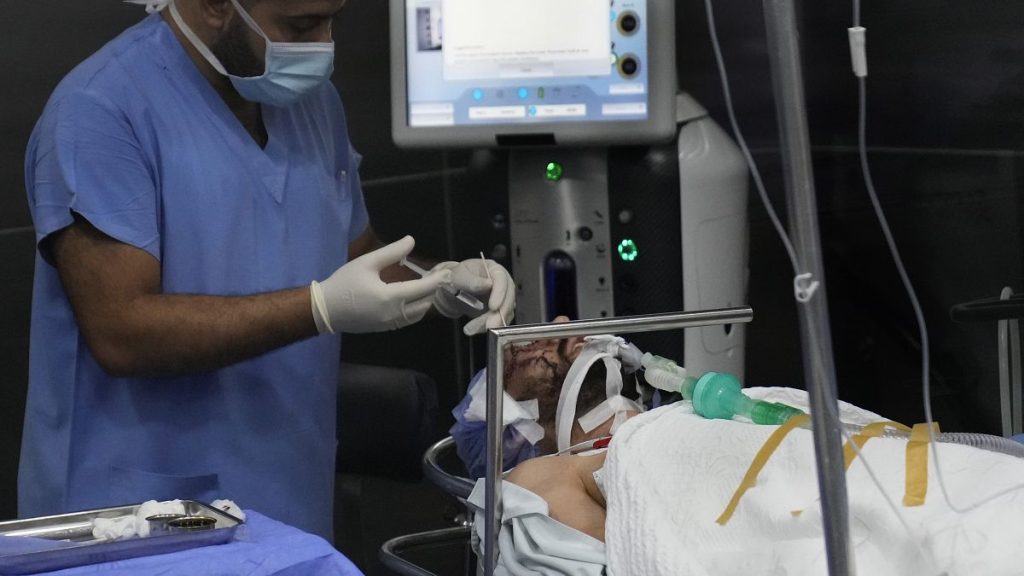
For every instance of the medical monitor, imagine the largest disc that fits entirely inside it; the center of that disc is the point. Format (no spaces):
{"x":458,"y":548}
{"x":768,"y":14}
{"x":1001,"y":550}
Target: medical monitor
{"x":532,"y":72}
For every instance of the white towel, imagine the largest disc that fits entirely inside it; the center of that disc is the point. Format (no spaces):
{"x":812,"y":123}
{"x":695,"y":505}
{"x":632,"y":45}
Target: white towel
{"x":134,"y":524}
{"x":113,"y":528}
{"x":230,"y":507}
{"x":670,"y":473}
{"x":153,"y":508}
{"x":138,"y":525}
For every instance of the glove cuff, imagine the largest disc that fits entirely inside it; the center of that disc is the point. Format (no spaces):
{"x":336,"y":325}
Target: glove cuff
{"x":319,"y":306}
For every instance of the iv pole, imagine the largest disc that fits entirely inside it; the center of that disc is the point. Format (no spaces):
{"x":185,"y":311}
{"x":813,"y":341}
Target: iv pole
{"x":819,"y":369}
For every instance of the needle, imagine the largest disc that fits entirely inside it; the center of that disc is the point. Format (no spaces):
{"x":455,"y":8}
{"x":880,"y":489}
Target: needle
{"x":464,"y":297}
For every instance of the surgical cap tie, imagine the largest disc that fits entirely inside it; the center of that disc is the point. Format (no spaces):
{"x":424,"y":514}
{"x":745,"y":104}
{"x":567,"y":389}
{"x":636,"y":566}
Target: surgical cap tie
{"x":151,"y":5}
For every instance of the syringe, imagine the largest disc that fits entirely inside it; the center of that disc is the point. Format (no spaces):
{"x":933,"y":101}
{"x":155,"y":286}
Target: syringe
{"x":462,"y":296}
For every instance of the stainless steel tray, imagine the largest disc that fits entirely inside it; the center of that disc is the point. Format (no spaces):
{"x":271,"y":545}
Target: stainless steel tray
{"x":67,"y":539}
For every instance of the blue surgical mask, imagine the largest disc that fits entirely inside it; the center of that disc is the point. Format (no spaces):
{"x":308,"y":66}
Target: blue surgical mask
{"x":293,"y":69}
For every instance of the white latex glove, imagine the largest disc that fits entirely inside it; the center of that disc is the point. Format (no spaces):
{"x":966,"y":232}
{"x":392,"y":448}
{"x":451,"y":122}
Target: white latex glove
{"x":493,"y":285}
{"x":355,"y":299}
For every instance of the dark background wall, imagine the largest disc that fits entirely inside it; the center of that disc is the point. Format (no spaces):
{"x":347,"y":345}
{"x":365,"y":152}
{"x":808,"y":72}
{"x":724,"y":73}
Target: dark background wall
{"x":946,"y":103}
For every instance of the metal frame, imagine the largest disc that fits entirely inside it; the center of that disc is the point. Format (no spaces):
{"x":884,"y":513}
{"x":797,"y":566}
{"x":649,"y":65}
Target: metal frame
{"x":1010,"y":372}
{"x":498,"y":338}
{"x":455,"y":485}
{"x":783,"y":36}
{"x":390,"y":551}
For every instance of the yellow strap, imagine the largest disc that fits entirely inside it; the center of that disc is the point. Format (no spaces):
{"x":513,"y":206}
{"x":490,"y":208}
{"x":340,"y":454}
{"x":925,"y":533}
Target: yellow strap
{"x":766,"y":451}
{"x":872,"y":430}
{"x":916,"y":488}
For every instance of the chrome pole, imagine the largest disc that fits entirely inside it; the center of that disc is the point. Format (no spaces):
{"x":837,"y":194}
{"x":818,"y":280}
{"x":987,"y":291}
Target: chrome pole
{"x":498,"y":338}
{"x":819,"y":369}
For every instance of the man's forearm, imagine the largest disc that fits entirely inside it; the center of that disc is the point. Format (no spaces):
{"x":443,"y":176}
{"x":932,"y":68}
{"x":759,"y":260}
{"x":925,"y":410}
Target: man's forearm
{"x":134,"y":329}
{"x":168,"y":334}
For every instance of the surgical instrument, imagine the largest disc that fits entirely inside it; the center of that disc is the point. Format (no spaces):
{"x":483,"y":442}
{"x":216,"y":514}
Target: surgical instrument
{"x":462,"y":296}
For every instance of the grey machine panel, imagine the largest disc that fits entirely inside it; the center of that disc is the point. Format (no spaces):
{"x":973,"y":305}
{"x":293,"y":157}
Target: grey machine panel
{"x":555,"y":224}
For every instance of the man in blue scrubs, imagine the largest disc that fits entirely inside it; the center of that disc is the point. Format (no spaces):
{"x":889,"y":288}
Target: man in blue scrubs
{"x":199,"y":220}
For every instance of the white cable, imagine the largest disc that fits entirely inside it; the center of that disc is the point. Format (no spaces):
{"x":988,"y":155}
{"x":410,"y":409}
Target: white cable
{"x":801,"y":280}
{"x":831,"y":402}
{"x":804,"y":285}
{"x":918,"y":314}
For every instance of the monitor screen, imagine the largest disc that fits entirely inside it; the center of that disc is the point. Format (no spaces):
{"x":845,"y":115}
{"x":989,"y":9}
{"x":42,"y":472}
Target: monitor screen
{"x":540,"y":72}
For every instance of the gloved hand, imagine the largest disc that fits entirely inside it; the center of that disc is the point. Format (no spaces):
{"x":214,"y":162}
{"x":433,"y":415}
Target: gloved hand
{"x":354,"y":299}
{"x":485,"y":279}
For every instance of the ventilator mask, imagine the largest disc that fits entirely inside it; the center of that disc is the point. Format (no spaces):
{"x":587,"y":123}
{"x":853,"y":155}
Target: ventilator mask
{"x":292,"y":69}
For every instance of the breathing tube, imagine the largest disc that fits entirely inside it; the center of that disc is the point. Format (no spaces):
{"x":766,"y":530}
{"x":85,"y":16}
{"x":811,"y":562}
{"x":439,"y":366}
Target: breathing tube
{"x":720,"y":396}
{"x":975,"y":440}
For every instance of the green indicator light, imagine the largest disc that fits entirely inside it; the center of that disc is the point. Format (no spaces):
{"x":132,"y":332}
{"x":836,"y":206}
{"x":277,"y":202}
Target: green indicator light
{"x":540,"y":92}
{"x":628,"y":250}
{"x":553,"y":171}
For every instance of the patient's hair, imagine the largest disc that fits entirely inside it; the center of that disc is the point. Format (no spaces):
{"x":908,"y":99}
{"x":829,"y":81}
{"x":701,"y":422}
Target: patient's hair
{"x":547,"y":390}
{"x":593,"y":391}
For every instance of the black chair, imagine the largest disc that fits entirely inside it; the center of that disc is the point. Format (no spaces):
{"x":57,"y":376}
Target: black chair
{"x":387,"y":418}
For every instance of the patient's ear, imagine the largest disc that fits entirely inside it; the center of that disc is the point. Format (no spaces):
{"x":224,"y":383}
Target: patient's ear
{"x":576,"y":348}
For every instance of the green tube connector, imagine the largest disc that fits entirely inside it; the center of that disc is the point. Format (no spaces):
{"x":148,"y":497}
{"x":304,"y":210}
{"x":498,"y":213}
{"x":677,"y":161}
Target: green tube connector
{"x":720,"y":395}
{"x":715,"y":394}
{"x":774,"y":413}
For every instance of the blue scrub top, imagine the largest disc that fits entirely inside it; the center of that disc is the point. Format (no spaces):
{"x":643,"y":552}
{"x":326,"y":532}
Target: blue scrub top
{"x":136,"y":141}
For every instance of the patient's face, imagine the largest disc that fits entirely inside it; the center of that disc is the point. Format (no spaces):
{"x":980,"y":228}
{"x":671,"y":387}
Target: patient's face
{"x":536,"y":371}
{"x":537,"y":367}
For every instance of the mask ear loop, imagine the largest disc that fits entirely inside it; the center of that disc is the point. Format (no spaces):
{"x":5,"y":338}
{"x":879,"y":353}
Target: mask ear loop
{"x":195,"y":41}
{"x":284,"y":46}
{"x":205,"y":50}
{"x":251,"y":22}
{"x":267,"y":43}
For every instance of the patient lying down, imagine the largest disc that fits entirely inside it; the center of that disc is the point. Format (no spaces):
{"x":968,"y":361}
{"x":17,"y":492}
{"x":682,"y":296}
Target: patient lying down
{"x":553,"y":517}
{"x":652,"y":504}
{"x":559,"y":393}
{"x":567,"y":484}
